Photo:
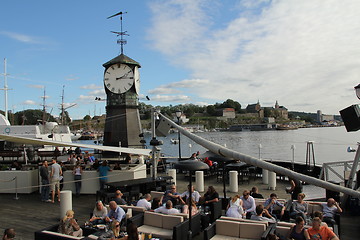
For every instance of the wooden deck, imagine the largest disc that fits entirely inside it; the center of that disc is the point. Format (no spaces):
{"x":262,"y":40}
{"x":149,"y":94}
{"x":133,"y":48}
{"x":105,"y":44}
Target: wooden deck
{"x":28,"y":214}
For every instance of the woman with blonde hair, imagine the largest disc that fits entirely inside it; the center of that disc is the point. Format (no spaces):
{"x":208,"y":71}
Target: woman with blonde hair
{"x":69,"y":226}
{"x":235,"y":208}
{"x":114,"y":231}
{"x":299,"y":207}
{"x":194,"y":209}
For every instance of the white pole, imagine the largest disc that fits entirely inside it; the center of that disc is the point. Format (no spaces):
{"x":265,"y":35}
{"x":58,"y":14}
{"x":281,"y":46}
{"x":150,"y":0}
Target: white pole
{"x":172,"y":173}
{"x":5,"y":90}
{"x":293,"y":156}
{"x":65,"y":203}
{"x":199,"y":181}
{"x":272,"y":180}
{"x":234,"y":186}
{"x":265,"y":175}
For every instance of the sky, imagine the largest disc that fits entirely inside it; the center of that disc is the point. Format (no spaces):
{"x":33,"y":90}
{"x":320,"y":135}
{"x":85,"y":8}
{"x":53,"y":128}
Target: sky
{"x":303,"y":54}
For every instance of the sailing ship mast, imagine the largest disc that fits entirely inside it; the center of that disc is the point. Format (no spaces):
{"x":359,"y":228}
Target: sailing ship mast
{"x":5,"y":89}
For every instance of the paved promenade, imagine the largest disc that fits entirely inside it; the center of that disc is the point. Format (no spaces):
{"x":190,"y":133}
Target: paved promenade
{"x":28,"y":213}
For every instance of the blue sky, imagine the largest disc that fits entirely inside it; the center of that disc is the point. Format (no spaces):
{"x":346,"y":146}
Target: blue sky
{"x":305,"y":54}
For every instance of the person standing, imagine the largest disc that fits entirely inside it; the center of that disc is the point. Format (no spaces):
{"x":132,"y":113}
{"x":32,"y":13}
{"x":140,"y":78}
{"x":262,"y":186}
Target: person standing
{"x":56,"y":172}
{"x":295,"y":188}
{"x":77,"y":177}
{"x":103,"y":172}
{"x":45,"y":181}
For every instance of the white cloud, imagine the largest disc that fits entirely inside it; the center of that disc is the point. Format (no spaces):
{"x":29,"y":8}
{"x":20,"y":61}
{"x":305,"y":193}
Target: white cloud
{"x":169,"y":98}
{"x":91,"y":86}
{"x":29,"y":102}
{"x":304,"y":54}
{"x":36,"y":86}
{"x":21,"y":37}
{"x":100,"y":92}
{"x":163,"y":90}
{"x":71,"y":78}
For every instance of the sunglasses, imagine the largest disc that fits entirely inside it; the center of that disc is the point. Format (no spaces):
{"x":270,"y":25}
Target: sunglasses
{"x":117,"y":225}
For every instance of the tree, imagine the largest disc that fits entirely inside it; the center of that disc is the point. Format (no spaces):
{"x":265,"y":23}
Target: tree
{"x":211,"y":110}
{"x":87,"y":118}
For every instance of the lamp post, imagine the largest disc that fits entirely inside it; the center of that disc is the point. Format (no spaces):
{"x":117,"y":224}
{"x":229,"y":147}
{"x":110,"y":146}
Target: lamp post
{"x":191,"y":166}
{"x":178,"y":115}
{"x":357,"y":91}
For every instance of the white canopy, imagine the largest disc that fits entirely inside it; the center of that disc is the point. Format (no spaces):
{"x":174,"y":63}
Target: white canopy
{"x":34,"y":141}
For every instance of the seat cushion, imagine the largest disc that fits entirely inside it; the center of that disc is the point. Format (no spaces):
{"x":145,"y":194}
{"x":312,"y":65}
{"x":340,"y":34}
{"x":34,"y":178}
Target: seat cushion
{"x":243,"y":220}
{"x":228,"y":228}
{"x":223,"y":237}
{"x":153,"y":219}
{"x":251,"y":230}
{"x":156,"y":231}
{"x":169,"y":221}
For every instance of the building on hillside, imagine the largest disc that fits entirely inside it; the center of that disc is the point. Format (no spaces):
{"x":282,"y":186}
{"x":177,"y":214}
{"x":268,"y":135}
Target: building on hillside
{"x":226,"y":113}
{"x":276,"y":112}
{"x":324,"y":118}
{"x":255,"y":108}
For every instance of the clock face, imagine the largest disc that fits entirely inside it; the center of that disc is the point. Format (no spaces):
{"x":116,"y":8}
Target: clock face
{"x":118,"y":78}
{"x":137,"y":79}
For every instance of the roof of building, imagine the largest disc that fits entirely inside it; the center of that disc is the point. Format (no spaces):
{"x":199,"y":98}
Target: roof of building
{"x":122,"y":58}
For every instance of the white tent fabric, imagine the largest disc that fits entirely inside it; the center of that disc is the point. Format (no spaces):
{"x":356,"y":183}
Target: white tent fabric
{"x":35,"y":141}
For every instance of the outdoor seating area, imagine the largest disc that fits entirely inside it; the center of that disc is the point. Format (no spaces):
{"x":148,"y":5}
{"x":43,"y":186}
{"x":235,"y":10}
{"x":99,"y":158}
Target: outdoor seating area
{"x":51,"y":233}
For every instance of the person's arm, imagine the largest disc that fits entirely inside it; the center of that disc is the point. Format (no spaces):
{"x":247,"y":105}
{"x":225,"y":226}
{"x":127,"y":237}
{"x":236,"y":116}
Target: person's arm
{"x":52,"y":172}
{"x":338,"y":207}
{"x":306,"y":234}
{"x":268,"y":203}
{"x":253,"y":207}
{"x":74,"y":224}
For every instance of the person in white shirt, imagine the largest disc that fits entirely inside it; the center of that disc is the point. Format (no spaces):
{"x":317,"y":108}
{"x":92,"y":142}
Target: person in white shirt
{"x":195,"y":194}
{"x":248,"y":203}
{"x":145,"y":202}
{"x":167,"y":209}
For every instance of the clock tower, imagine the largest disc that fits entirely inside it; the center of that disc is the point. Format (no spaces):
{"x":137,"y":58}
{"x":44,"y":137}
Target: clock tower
{"x":121,"y":83}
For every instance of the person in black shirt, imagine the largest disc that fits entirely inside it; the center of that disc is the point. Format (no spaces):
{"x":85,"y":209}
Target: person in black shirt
{"x":210,"y":196}
{"x":255,"y":193}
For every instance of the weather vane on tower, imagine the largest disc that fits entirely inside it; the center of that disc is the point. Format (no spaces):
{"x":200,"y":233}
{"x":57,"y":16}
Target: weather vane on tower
{"x":120,"y":41}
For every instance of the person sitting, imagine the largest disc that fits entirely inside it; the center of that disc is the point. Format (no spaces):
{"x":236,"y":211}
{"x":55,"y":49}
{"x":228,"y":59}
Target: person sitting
{"x":9,"y":234}
{"x":117,"y":166}
{"x":299,"y":207}
{"x":194,"y":209}
{"x":270,"y":204}
{"x":132,"y":232}
{"x":115,"y":213}
{"x":194,"y":194}
{"x":248,"y":203}
{"x":210,"y":196}
{"x":168,"y":209}
{"x":69,"y":226}
{"x":320,"y":215}
{"x":260,"y":212}
{"x":235,"y":208}
{"x":173,"y":196}
{"x":16,"y":165}
{"x":99,"y":213}
{"x":118,"y":198}
{"x":329,"y":209}
{"x":208,"y":162}
{"x":255,"y":193}
{"x":145,"y":202}
{"x":321,"y":232}
{"x":114,"y":231}
{"x":156,"y":203}
{"x":298,"y":232}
